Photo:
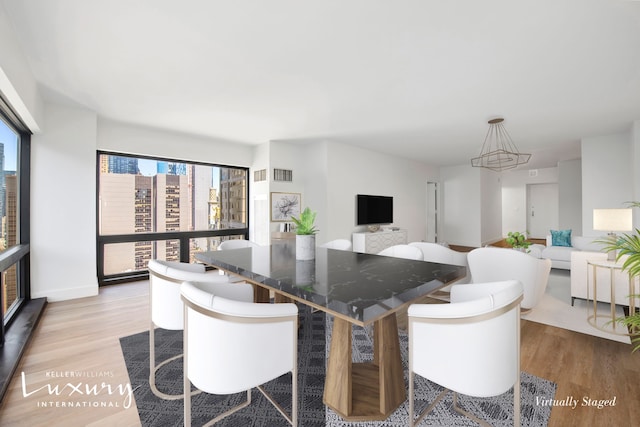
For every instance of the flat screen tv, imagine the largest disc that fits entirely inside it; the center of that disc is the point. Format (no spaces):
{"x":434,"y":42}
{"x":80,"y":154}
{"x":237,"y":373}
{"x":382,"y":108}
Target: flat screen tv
{"x":374,"y":209}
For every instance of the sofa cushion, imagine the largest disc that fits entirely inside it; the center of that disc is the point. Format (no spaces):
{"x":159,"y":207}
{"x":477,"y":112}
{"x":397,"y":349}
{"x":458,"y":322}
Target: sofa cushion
{"x":560,"y":253}
{"x":561,"y":238}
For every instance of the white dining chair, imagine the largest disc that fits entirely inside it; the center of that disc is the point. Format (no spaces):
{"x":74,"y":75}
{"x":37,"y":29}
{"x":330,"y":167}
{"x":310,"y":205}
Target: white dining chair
{"x":166,"y":308}
{"x":434,"y":252}
{"x":470,"y":346}
{"x":339,"y":244}
{"x":236,"y":244}
{"x":233,"y":346}
{"x":403,"y":251}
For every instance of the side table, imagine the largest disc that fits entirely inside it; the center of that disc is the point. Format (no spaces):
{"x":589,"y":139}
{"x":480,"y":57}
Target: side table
{"x":612,"y":266}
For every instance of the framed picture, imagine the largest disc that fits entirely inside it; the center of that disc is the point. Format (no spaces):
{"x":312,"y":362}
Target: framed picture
{"x":284,"y":206}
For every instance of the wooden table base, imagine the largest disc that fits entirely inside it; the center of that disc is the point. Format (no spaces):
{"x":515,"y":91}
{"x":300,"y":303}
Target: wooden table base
{"x":365,"y":391}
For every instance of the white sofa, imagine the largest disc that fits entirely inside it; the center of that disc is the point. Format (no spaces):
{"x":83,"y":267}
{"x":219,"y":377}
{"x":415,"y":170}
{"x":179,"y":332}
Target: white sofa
{"x":582,"y":280}
{"x":560,"y":256}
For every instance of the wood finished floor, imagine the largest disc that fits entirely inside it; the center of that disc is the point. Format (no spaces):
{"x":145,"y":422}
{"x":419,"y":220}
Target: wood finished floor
{"x":82,"y":336}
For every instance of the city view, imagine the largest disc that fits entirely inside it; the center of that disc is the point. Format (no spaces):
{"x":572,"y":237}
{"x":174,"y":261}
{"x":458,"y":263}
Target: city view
{"x":8,"y":209}
{"x":138,"y":195}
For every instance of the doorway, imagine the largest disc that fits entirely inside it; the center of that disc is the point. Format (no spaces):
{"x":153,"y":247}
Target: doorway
{"x":542,"y":209}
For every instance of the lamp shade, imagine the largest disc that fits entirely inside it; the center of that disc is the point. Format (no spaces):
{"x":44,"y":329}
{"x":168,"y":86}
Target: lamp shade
{"x":612,"y":219}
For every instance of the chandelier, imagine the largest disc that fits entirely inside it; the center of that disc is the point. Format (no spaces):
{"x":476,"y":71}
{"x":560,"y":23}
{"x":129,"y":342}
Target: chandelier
{"x":498,"y":150}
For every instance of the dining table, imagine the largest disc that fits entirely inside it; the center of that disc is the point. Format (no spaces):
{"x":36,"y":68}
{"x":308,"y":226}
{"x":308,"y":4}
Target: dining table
{"x":356,"y":289}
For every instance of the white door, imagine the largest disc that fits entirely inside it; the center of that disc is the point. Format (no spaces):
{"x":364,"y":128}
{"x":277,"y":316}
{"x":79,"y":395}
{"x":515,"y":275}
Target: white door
{"x":542,"y":209}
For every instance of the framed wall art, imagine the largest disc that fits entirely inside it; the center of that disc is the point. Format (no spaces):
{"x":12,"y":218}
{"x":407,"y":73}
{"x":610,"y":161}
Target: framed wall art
{"x":284,"y":206}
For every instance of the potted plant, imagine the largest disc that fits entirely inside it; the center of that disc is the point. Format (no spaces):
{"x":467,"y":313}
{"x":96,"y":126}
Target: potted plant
{"x":305,"y":235}
{"x":628,"y":245}
{"x":518,"y":241}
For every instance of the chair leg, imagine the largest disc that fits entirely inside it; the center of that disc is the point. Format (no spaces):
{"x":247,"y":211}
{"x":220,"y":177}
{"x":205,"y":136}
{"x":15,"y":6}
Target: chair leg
{"x":467,"y":414}
{"x":153,"y":368}
{"x":428,"y":409}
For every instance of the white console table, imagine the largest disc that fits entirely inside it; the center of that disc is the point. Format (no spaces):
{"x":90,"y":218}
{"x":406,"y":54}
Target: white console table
{"x":373,"y":242}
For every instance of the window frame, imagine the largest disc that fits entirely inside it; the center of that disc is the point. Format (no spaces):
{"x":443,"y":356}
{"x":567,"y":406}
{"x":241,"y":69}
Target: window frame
{"x":19,"y":254}
{"x":183,"y":236}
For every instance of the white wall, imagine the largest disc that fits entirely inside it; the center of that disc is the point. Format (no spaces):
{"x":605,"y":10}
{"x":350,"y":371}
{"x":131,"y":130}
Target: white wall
{"x":17,"y":83}
{"x":490,"y":207}
{"x":461,"y":205}
{"x":130,"y":139}
{"x":259,"y":231}
{"x":352,"y":170}
{"x":63,"y":205}
{"x":330,"y":175}
{"x":607,"y":175}
{"x":570,"y":195}
{"x":514,"y":196}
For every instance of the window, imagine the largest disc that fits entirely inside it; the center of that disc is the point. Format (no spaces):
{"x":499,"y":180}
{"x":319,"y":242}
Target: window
{"x":150,"y":208}
{"x":14,"y":215}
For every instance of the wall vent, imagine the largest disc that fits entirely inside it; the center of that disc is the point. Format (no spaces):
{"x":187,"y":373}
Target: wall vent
{"x":283,"y":175}
{"x":260,"y":175}
{"x":533,"y":173}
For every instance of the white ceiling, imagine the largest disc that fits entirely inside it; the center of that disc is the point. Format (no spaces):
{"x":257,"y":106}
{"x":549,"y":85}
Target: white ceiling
{"x":416,"y":78}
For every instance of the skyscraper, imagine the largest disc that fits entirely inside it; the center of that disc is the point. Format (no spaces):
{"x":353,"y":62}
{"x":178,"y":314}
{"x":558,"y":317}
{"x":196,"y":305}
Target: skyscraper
{"x":120,"y":164}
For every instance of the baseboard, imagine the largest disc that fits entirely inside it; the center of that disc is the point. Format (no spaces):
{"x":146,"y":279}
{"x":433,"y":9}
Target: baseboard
{"x":67,"y":294}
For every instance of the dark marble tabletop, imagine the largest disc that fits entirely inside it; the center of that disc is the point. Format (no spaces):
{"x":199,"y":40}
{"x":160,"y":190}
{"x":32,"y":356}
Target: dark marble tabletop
{"x":361,"y":287}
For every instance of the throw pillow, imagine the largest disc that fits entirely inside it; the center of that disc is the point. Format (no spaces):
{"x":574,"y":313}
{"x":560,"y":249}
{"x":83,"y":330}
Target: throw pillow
{"x":561,"y":238}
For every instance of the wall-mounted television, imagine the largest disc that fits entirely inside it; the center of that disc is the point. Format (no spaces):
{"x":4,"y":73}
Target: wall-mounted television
{"x":374,"y":209}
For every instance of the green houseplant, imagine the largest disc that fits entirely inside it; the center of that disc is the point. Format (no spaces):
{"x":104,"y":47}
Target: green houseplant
{"x":305,"y":222}
{"x":518,"y":240}
{"x":305,"y":235}
{"x":628,"y":245}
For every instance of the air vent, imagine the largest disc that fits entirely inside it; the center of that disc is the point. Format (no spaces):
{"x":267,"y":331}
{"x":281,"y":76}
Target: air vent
{"x":533,"y":173}
{"x":283,"y":175}
{"x":260,"y":175}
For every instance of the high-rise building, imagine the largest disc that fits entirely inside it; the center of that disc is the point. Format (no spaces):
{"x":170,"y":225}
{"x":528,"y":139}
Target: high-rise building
{"x":233,"y":198}
{"x":121,"y":164}
{"x":171,"y":168}
{"x":172,"y":212}
{"x":3,"y":209}
{"x":9,"y":279}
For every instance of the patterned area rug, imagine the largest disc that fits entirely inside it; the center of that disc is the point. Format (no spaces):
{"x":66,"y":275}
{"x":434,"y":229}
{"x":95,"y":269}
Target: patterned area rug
{"x":497,"y":411}
{"x":314,"y":335}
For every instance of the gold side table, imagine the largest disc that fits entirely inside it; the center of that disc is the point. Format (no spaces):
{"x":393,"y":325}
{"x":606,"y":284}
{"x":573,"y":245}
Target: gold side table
{"x":612,"y":266}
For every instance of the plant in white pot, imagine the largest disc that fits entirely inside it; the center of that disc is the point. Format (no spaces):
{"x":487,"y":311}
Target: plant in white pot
{"x":305,"y":235}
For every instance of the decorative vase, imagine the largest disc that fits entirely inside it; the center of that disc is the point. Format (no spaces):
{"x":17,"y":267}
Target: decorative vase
{"x":305,"y":247}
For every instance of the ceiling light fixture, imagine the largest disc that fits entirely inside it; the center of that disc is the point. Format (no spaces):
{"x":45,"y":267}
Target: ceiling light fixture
{"x":498,"y":150}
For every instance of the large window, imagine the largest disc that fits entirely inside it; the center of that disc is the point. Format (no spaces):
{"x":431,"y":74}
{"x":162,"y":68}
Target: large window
{"x":150,"y":208}
{"x":14,"y":215}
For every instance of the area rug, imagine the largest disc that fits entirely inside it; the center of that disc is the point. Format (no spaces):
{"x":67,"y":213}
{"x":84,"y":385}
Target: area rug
{"x":497,"y":411}
{"x":313,"y":338}
{"x":555,"y":309}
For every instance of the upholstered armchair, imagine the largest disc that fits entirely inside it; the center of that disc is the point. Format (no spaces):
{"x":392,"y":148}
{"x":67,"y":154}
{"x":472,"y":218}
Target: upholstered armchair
{"x":403,"y":251}
{"x":495,"y":264}
{"x":233,"y":346}
{"x":165,"y":278}
{"x":470,"y":346}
